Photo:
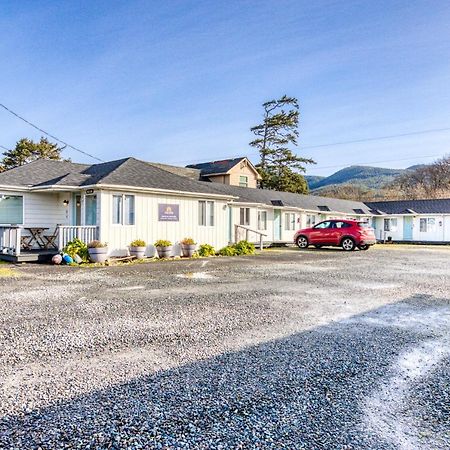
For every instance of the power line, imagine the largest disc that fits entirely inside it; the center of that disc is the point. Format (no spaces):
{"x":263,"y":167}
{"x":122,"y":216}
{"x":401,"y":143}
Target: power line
{"x":48,"y":134}
{"x":378,"y":138}
{"x":332,"y":144}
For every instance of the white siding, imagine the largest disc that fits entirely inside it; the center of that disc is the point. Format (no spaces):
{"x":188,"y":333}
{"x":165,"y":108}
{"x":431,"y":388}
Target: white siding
{"x":431,"y":235}
{"x":253,"y":237}
{"x":148,"y":227}
{"x":44,"y":210}
{"x":441,"y":231}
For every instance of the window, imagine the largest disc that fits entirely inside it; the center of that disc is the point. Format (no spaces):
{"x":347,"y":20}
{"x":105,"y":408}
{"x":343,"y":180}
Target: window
{"x":123,"y":210}
{"x":91,"y":210}
{"x":341,"y":225}
{"x":243,"y":181}
{"x":390,"y":224}
{"x":427,"y":224}
{"x":11,"y":209}
{"x":129,"y":210}
{"x":206,"y":213}
{"x":289,"y":221}
{"x":323,"y":225}
{"x":310,"y":220}
{"x":244,"y":216}
{"x":262,"y":220}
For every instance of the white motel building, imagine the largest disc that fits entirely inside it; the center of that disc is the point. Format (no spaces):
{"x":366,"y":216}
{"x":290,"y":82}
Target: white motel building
{"x":215,"y":203}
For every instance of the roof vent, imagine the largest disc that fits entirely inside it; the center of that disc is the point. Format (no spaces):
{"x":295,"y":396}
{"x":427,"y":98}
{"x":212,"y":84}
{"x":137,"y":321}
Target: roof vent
{"x":323,"y":208}
{"x":359,"y":211}
{"x":276,"y":202}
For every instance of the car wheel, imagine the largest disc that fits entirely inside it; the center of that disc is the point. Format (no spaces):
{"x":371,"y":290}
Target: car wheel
{"x":302,"y":242}
{"x":364,"y":247}
{"x":348,"y":244}
{"x":317,"y":246}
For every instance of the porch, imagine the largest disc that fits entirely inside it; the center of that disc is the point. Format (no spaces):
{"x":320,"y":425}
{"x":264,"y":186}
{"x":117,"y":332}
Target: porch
{"x":17,"y":244}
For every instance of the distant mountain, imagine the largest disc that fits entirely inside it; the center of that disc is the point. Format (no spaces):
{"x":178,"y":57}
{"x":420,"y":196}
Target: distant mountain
{"x":366,"y":176}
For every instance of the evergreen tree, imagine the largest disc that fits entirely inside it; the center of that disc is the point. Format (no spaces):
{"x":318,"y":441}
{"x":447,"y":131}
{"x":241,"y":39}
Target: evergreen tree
{"x":26,"y":150}
{"x":279,"y":165}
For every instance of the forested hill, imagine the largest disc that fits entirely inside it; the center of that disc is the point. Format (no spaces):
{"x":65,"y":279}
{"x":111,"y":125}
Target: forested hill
{"x":367,"y":176}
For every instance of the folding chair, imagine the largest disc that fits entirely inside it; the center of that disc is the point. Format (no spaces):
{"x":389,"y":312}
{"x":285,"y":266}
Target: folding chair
{"x":51,"y":239}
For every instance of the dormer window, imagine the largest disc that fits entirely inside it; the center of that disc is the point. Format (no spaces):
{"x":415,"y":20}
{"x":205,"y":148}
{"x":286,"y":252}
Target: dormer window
{"x":243,"y":181}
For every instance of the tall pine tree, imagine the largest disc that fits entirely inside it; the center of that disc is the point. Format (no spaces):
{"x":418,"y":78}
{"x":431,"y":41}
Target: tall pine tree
{"x":279,"y":166}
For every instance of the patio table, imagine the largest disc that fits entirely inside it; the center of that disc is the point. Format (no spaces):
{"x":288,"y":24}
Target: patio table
{"x":37,"y":236}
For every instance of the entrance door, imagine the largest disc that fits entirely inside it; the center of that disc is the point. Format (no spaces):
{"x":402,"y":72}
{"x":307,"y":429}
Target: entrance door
{"x":277,"y":225}
{"x":77,"y":211}
{"x":91,"y":210}
{"x":407,"y":228}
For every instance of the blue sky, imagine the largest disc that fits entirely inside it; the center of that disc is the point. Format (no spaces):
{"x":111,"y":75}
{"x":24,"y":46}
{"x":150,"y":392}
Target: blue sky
{"x":183,"y":81}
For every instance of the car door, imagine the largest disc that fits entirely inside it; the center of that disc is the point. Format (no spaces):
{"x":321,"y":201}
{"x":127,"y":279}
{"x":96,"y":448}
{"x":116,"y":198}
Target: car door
{"x":340,"y":229}
{"x":320,"y":233}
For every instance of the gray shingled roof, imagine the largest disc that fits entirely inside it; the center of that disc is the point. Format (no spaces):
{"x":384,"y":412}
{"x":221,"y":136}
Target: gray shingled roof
{"x":39,"y":172}
{"x":216,"y":167}
{"x":193,"y":174}
{"x":123,"y":172}
{"x":432,"y":206}
{"x":309,"y":202}
{"x":136,"y":173}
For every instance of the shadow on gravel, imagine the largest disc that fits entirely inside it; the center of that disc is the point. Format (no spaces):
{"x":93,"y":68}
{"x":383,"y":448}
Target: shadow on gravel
{"x":304,"y":391}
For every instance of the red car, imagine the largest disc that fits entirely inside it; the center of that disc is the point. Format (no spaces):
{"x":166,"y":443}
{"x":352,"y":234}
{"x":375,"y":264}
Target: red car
{"x":347,"y":234}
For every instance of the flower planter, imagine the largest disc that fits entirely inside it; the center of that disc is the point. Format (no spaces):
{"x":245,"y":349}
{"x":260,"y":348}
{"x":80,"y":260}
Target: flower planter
{"x":188,"y":250}
{"x":99,"y":254}
{"x":139,"y":252}
{"x":164,"y":252}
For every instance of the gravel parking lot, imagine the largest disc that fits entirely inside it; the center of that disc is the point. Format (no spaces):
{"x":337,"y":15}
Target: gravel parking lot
{"x":287,"y":349}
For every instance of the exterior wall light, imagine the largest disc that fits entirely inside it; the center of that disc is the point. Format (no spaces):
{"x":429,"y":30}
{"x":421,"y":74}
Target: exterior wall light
{"x":66,"y":203}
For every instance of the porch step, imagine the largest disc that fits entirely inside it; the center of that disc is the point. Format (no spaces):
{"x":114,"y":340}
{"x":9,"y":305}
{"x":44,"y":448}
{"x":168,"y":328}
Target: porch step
{"x":39,"y":256}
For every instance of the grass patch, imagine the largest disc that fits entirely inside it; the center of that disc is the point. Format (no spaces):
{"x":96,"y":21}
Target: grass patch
{"x":6,"y":272}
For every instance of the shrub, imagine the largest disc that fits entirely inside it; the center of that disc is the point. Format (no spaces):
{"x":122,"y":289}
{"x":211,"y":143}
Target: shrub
{"x":188,"y":241}
{"x":244,"y":248}
{"x":77,"y":247}
{"x":206,"y":250}
{"x":163,"y":243}
{"x":97,"y":244}
{"x":229,"y":250}
{"x":138,"y":243}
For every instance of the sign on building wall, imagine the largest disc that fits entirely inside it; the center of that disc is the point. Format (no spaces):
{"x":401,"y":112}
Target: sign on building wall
{"x":168,"y":213}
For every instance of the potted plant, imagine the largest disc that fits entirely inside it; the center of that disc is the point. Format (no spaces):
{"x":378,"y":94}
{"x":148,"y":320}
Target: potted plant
{"x":137,"y":248}
{"x":188,"y":247}
{"x":98,"y":251}
{"x":164,"y":248}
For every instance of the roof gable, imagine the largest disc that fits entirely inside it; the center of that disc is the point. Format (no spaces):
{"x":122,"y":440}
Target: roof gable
{"x":220,"y":167}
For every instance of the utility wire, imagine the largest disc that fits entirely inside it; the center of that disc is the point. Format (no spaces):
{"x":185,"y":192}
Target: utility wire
{"x":332,"y":144}
{"x":378,"y":138}
{"x":48,"y":134}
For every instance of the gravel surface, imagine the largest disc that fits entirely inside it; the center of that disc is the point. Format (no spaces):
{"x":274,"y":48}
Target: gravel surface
{"x":288,"y":349}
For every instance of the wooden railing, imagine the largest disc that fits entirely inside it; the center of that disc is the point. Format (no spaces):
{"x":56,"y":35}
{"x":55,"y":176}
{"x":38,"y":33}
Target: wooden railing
{"x":85,"y":233}
{"x":243,"y":232}
{"x":10,"y":239}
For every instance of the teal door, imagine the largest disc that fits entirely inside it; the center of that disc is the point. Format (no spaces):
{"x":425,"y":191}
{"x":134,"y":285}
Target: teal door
{"x":407,"y":228}
{"x":277,"y":225}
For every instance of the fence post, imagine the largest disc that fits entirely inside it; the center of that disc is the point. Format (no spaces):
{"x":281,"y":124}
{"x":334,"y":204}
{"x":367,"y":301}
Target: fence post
{"x":60,"y":238}
{"x":18,"y":241}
